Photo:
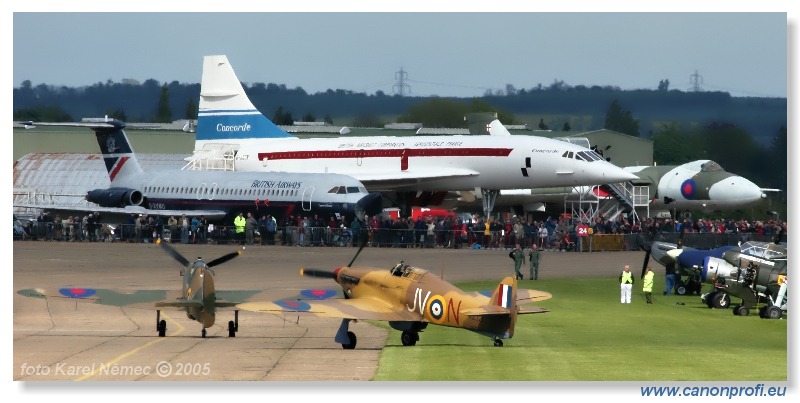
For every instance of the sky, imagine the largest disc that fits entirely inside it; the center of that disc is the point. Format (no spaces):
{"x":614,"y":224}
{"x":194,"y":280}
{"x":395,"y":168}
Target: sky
{"x":459,"y":54}
{"x":446,"y":47}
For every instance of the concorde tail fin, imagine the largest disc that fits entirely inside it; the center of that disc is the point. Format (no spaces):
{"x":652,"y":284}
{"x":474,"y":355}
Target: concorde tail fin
{"x":225,"y":111}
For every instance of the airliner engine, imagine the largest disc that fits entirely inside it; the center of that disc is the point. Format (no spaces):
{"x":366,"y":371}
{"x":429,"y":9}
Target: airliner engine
{"x":115,"y":197}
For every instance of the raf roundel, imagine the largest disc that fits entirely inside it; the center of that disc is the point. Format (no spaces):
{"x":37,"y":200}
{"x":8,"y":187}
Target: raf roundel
{"x":288,"y":305}
{"x":318,"y":294}
{"x":77,"y":292}
{"x":436,"y":308}
{"x":688,"y":189}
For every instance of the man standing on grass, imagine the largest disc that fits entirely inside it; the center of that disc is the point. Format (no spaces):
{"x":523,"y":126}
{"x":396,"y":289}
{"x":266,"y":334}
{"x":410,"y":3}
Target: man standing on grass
{"x":625,"y":285}
{"x":533,"y":258}
{"x":647,"y":285}
{"x":519,"y":257}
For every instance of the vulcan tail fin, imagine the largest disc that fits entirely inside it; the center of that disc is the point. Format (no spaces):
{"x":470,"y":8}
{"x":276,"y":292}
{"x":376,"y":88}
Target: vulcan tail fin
{"x":225,"y":111}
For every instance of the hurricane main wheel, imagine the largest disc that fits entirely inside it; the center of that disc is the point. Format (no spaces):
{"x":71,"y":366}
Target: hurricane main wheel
{"x":162,"y":328}
{"x":231,"y":329}
{"x":409,"y":338}
{"x":773,"y":312}
{"x":351,"y":344}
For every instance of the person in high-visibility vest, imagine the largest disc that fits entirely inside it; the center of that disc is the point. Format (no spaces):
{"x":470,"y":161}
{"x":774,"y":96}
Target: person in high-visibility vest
{"x":647,"y":285}
{"x":239,"y":222}
{"x":625,"y":285}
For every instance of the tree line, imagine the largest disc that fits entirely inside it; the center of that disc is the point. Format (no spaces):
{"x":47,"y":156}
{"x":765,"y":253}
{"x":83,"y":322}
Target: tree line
{"x":745,"y":135}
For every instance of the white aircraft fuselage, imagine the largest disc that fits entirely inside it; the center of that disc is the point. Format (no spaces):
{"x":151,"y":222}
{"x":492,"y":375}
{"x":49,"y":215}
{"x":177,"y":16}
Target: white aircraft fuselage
{"x":432,"y":163}
{"x":425,"y":163}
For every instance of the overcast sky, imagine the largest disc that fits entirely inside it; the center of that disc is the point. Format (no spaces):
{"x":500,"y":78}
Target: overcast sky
{"x":447,"y":54}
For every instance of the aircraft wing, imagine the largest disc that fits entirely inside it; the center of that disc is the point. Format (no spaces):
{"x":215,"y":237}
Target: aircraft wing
{"x":155,"y":299}
{"x":146,"y":299}
{"x":360,"y":308}
{"x":524,"y":296}
{"x":210,"y":214}
{"x":492,"y":310}
{"x":229,"y":299}
{"x":382,"y":181}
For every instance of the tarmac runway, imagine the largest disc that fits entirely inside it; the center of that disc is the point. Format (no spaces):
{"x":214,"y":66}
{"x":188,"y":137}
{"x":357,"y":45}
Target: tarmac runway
{"x":63,"y":340}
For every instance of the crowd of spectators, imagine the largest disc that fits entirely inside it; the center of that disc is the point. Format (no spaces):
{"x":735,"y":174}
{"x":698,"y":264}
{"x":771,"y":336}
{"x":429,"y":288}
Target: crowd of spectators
{"x":550,"y":234}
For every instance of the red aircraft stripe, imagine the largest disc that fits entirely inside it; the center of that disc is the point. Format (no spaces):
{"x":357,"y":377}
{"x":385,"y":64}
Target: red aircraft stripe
{"x":388,"y":152}
{"x":117,"y":167}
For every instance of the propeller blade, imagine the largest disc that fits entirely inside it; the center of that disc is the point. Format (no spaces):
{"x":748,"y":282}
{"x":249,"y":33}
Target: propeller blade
{"x":222,"y":259}
{"x":172,"y":252}
{"x":363,"y":237}
{"x":321,"y":273}
{"x":646,"y":262}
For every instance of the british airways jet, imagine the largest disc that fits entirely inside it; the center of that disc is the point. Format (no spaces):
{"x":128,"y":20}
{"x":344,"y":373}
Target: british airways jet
{"x":216,"y":195}
{"x":410,"y":165}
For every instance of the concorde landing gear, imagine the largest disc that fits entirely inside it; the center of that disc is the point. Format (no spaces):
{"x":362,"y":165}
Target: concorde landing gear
{"x":489,"y":197}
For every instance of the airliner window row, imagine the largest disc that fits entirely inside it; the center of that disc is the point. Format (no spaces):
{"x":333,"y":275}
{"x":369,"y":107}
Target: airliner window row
{"x":589,"y":156}
{"x":223,"y":191}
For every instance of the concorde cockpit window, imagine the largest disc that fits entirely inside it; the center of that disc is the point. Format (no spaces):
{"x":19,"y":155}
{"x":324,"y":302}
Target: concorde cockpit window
{"x":342,"y":190}
{"x":711,"y":166}
{"x":588,"y":156}
{"x":352,"y":189}
{"x":334,"y":189}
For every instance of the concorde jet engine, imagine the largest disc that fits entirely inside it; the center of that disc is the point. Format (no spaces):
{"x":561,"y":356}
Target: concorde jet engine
{"x":115,"y":197}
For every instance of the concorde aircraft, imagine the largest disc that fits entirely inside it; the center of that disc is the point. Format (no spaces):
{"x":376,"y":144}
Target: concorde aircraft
{"x":216,"y":195}
{"x":406,"y":165}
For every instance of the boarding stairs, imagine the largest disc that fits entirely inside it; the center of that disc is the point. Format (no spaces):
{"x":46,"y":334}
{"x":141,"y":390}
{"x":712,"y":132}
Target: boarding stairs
{"x":213,"y":157}
{"x":626,"y":198}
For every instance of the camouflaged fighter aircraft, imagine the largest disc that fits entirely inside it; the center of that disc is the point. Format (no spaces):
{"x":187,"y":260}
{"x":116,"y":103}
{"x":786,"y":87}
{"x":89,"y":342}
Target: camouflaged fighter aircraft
{"x":410,"y":298}
{"x":198,"y":298}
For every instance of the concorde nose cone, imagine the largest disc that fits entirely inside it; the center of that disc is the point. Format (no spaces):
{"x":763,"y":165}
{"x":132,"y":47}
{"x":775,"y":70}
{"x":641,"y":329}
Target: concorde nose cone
{"x":610,"y":173}
{"x":735,"y":188}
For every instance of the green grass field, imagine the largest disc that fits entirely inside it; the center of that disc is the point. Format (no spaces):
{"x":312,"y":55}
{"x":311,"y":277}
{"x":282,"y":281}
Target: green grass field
{"x":589,"y":336}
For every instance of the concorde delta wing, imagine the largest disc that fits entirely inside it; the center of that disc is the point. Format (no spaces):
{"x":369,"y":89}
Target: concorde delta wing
{"x":383,"y":181}
{"x":361,"y":309}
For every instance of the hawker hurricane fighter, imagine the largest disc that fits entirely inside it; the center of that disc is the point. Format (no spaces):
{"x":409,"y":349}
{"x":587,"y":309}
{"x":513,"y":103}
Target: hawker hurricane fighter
{"x":410,"y":298}
{"x":198,"y":298}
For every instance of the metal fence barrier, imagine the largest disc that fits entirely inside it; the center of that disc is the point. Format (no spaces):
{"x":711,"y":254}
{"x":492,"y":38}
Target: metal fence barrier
{"x":410,"y":238}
